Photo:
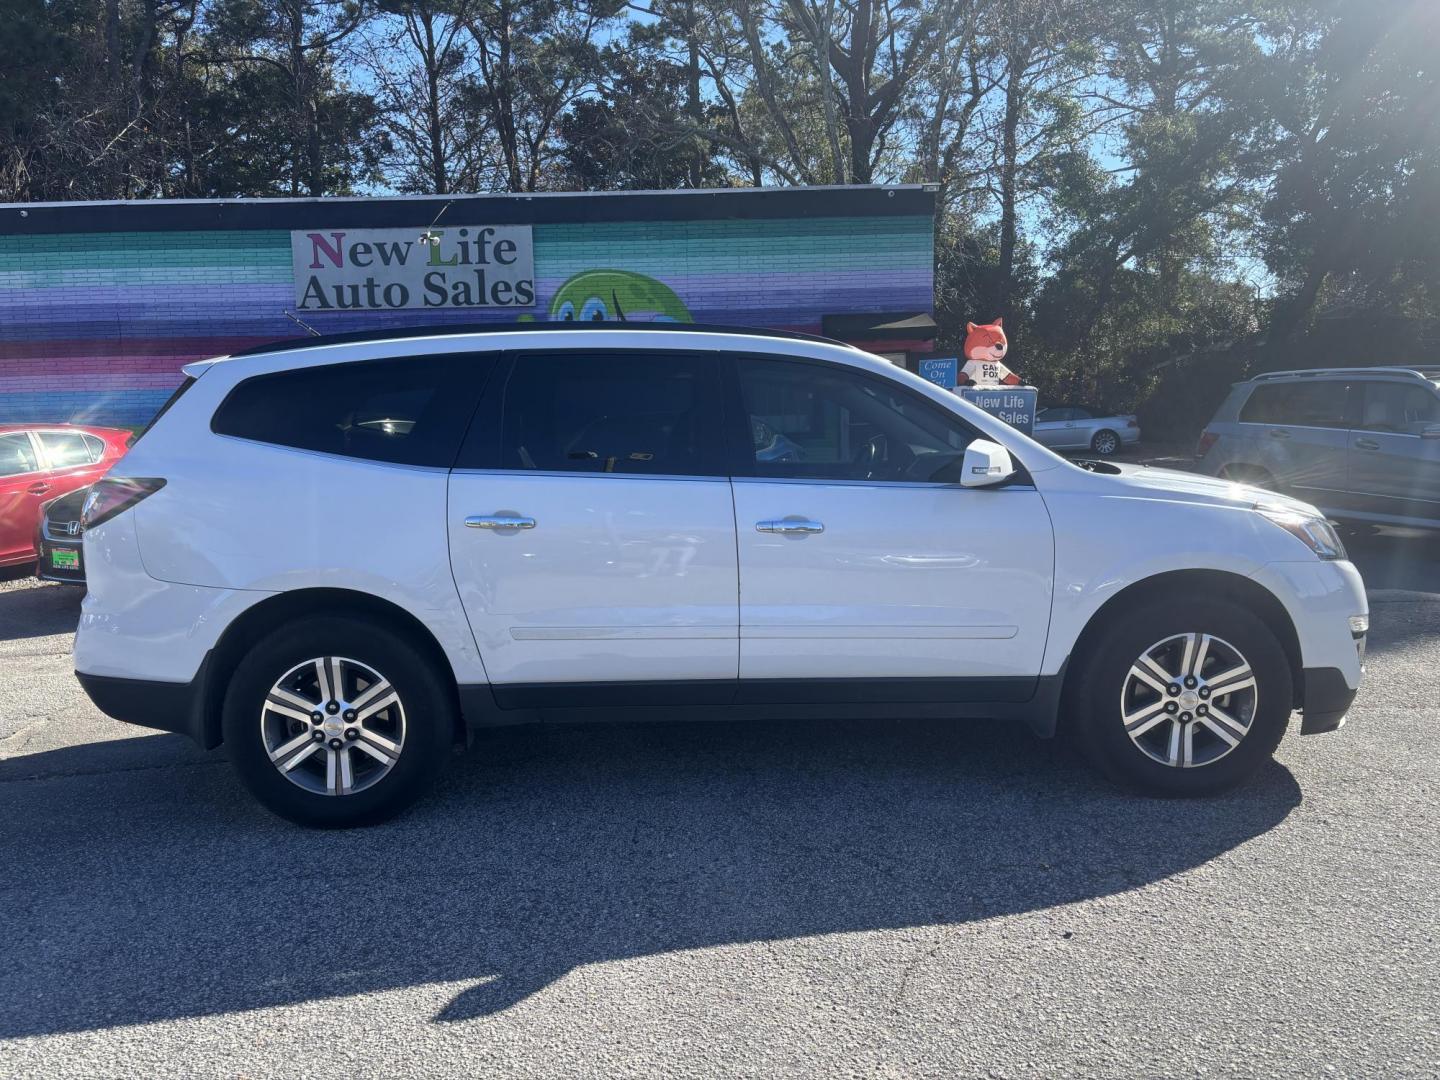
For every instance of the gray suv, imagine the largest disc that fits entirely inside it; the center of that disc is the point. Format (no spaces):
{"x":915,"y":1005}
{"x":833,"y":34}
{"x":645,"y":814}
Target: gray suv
{"x":1363,"y":444}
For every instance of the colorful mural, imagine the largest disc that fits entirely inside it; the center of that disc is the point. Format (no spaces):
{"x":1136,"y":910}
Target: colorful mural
{"x":616,"y":296}
{"x":94,"y":326}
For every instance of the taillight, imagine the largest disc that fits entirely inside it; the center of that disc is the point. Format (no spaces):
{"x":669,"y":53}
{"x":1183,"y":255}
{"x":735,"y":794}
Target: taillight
{"x":111,"y":496}
{"x":1132,"y":422}
{"x":1207,"y":440}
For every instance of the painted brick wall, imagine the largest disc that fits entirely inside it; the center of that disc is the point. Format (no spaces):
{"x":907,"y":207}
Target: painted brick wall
{"x":95,"y":326}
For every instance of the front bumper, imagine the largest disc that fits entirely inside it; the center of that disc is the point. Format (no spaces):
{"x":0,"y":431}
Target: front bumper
{"x":1327,"y":700}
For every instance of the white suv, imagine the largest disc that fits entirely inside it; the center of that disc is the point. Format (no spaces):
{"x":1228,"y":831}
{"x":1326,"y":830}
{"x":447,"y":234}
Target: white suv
{"x":339,"y":556}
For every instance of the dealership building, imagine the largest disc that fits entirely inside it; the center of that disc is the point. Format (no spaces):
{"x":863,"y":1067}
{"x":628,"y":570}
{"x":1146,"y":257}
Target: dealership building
{"x":101,"y":303}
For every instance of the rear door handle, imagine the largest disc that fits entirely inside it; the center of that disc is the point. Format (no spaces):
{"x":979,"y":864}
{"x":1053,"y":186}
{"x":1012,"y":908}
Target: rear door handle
{"x":500,"y":521}
{"x":789,"y":525}
{"x":1366,"y":444}
{"x":38,"y":488}
{"x":1276,"y":433}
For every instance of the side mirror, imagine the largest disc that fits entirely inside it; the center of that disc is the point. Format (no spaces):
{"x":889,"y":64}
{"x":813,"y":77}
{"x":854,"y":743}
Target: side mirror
{"x":1430,"y":431}
{"x":986,"y":464}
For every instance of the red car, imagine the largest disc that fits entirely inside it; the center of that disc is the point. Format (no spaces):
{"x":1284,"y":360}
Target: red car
{"x":40,"y":462}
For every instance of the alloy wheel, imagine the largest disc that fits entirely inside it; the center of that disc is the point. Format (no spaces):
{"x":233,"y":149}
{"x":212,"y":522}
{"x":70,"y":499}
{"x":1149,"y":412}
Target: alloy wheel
{"x":1189,"y":700}
{"x":1106,"y":443}
{"x":333,"y":726}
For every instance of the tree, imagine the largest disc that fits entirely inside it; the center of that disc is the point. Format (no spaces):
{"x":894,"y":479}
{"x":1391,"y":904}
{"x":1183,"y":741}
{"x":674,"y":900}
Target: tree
{"x":296,"y":39}
{"x":855,"y":64}
{"x":420,"y":58}
{"x":1355,"y":202}
{"x":640,"y":129}
{"x":535,"y":59}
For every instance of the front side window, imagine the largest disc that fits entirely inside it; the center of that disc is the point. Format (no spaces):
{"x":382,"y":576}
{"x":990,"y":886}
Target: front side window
{"x":1303,"y":404}
{"x":1400,"y":408}
{"x":17,"y":456}
{"x":817,"y":421}
{"x":67,"y":449}
{"x":639,"y":413}
{"x":409,"y":411}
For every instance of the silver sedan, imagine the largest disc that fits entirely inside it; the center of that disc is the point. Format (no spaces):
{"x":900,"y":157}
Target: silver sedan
{"x":1073,"y":427}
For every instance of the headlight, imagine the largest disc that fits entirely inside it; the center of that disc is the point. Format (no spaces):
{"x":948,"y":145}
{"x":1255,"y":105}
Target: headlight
{"x":1314,"y":532}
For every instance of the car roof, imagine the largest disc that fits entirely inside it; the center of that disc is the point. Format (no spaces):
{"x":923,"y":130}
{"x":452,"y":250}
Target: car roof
{"x":313,"y":350}
{"x":401,"y":333}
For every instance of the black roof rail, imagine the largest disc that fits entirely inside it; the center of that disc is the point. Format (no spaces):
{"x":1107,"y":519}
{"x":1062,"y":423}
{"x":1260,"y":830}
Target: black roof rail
{"x":400,"y":333}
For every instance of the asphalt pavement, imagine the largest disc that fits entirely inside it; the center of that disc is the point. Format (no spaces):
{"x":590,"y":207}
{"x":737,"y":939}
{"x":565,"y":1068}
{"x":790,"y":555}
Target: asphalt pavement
{"x":780,"y":899}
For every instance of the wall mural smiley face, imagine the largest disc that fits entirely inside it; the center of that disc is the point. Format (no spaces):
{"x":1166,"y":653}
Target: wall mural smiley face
{"x":616,"y":296}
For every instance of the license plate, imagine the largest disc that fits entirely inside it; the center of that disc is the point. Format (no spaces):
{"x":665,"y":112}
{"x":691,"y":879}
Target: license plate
{"x":64,"y":559}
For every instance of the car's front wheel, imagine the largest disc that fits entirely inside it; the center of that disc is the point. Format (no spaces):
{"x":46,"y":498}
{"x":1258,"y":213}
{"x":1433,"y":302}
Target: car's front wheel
{"x":1184,"y":697}
{"x":336,"y":721}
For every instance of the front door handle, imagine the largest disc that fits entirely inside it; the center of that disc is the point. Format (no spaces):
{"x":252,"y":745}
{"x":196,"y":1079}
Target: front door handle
{"x":500,"y":521}
{"x":38,"y":488}
{"x":1277,"y":433}
{"x":1366,"y":444}
{"x":789,"y":525}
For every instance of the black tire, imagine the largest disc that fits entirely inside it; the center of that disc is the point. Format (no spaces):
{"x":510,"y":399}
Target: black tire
{"x":1096,"y":699}
{"x":1105,"y":443}
{"x":425,"y":694}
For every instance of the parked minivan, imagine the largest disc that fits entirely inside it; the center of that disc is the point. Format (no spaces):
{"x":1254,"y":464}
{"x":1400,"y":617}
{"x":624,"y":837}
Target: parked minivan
{"x":1363,"y":444}
{"x":339,"y":556}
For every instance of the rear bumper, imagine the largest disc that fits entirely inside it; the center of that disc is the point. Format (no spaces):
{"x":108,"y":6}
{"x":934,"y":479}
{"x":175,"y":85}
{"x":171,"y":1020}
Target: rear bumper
{"x":1327,"y":700}
{"x":164,"y":706}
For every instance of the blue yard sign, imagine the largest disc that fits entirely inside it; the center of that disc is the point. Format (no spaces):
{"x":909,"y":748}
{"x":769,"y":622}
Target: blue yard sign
{"x":1013,"y":404}
{"x":942,"y":372}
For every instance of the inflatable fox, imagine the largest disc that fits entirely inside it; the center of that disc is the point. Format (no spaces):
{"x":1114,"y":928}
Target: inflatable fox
{"x":985,"y":348}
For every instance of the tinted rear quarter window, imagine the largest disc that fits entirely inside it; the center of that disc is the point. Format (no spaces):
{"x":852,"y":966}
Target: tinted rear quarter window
{"x":1322,"y":403}
{"x":406,"y":411}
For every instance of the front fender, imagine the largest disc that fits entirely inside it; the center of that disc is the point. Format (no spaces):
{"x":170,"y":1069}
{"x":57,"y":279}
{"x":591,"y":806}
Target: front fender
{"x":1114,"y":542}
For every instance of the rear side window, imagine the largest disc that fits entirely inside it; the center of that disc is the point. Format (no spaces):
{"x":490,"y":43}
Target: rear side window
{"x":17,"y":456}
{"x":409,"y":411}
{"x":1307,"y":404}
{"x":645,"y":413}
{"x":67,"y":449}
{"x":1398,"y":407}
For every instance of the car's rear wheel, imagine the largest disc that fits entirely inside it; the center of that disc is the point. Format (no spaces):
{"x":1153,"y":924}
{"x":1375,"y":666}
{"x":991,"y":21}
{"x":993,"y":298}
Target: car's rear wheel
{"x":337,"y":721}
{"x":1184,"y":696}
{"x":1105,"y":443}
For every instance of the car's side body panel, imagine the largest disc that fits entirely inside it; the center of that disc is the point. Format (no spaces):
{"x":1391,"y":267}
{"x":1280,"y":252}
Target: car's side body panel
{"x":906,"y":580}
{"x":620,"y":578}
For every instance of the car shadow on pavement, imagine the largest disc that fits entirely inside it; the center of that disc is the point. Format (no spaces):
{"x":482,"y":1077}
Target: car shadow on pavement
{"x":143,"y":885}
{"x":43,"y":609}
